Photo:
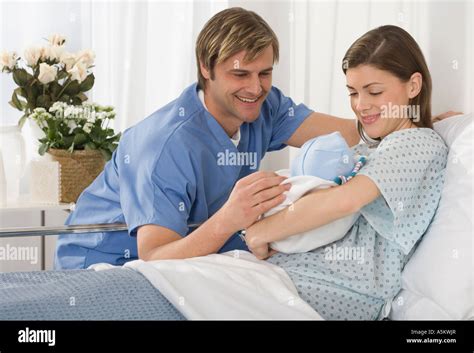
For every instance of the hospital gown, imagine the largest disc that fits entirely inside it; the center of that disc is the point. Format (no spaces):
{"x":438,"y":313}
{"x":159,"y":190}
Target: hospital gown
{"x":356,"y":277}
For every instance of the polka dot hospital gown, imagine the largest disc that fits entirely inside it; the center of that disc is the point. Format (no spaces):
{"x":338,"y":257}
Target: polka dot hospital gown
{"x":355,"y":277}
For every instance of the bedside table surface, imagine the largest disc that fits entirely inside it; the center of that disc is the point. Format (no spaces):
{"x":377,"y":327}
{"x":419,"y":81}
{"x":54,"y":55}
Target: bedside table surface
{"x":24,"y":203}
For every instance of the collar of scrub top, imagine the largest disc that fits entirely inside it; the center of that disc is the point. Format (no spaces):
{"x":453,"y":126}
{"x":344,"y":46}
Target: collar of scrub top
{"x":236,"y":138}
{"x":218,"y":130}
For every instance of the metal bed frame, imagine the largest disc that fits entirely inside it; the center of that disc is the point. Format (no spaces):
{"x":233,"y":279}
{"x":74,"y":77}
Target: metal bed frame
{"x":43,"y":231}
{"x":71,"y":229}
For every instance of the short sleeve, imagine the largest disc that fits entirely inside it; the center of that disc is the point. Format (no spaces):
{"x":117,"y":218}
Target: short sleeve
{"x":408,"y":168}
{"x":158,"y":190}
{"x":287,"y":117}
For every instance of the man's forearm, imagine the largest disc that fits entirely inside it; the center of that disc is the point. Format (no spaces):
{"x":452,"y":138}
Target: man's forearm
{"x":318,"y":124}
{"x":205,"y":240}
{"x":349,"y":132}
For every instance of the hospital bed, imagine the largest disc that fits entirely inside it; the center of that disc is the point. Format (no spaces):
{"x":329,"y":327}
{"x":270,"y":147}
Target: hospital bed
{"x":437,"y":281}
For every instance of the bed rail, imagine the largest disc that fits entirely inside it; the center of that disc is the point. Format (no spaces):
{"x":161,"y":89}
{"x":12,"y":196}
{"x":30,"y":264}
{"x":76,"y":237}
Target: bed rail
{"x":71,"y":229}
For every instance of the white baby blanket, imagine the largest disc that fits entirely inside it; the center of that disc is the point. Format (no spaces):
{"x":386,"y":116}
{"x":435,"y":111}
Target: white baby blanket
{"x":313,"y":238}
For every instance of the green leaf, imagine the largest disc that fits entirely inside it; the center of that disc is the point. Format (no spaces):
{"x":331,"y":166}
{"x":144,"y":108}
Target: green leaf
{"x":82,"y":96}
{"x":43,"y":101}
{"x":90,"y":146}
{"x":79,"y":139}
{"x":13,"y":105}
{"x":22,"y":120}
{"x":113,"y":147}
{"x":115,"y":138}
{"x":21,"y":77}
{"x":88,"y":83}
{"x":15,"y":101}
{"x":97,"y":134}
{"x":51,"y":134}
{"x":43,"y":149}
{"x":31,"y":92}
{"x":64,"y":98}
{"x":51,"y":130}
{"x":55,"y":88}
{"x":72,"y":88}
{"x":62,"y":74}
{"x":106,"y":154}
{"x":76,"y":101}
{"x":68,"y":141}
{"x":21,"y":92}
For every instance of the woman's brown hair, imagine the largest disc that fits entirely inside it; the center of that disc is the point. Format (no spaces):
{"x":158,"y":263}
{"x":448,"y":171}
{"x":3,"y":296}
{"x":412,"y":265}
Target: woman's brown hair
{"x":391,"y":48}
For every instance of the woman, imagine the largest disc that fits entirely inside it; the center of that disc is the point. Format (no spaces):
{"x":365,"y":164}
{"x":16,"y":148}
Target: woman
{"x":396,"y":192}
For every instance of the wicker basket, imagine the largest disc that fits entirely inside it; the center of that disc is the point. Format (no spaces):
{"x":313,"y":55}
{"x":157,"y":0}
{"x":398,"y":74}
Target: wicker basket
{"x":78,"y":170}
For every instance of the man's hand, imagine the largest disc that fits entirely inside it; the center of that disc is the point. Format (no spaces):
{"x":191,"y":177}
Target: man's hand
{"x":251,"y":197}
{"x":443,"y":116}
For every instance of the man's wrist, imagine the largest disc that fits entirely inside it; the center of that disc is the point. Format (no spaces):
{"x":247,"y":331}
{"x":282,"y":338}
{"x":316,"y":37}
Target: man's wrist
{"x":221,"y":228}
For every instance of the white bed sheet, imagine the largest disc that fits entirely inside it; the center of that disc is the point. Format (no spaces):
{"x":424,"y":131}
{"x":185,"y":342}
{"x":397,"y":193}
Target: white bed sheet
{"x":230,"y":286}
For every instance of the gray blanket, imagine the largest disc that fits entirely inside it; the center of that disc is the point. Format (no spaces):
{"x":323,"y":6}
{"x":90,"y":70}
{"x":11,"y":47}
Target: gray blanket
{"x":116,"y":294}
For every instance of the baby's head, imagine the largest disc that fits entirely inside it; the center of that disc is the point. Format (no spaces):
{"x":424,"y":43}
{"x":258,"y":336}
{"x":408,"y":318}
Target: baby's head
{"x":326,"y":157}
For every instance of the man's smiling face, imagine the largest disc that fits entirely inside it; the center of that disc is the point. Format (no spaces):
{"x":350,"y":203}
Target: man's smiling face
{"x":238,"y":88}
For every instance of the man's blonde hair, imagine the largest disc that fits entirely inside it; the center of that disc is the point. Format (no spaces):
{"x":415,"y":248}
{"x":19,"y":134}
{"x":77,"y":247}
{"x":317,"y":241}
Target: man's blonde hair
{"x":229,"y":32}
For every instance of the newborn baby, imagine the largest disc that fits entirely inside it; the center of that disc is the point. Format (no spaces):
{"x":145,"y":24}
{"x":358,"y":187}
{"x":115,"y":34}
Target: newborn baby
{"x":323,"y":162}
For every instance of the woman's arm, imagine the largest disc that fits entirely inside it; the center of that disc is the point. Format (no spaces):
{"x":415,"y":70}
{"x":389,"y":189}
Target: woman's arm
{"x":316,"y":209}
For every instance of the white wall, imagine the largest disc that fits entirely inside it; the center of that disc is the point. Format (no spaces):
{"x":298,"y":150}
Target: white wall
{"x":320,"y":32}
{"x":27,"y":24}
{"x":449,"y":55}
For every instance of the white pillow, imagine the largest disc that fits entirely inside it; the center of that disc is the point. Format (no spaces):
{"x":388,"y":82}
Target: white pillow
{"x":438,"y":280}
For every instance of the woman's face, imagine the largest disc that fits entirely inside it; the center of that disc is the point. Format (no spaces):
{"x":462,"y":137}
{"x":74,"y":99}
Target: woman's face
{"x":380,"y":99}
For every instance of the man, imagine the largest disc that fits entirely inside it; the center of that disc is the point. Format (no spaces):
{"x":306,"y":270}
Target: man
{"x":195,"y":159}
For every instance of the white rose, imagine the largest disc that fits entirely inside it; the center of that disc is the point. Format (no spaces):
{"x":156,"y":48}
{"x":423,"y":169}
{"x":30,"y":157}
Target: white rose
{"x":57,"y":52}
{"x":87,"y":57}
{"x":7,"y":60}
{"x":56,"y":40}
{"x":32,"y":55}
{"x":47,"y":73}
{"x":68,"y":59}
{"x":53,"y":53}
{"x":44,"y":52}
{"x":78,"y":72}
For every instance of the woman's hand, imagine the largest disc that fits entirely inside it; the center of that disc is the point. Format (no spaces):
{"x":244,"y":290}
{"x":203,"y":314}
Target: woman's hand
{"x":259,"y":248}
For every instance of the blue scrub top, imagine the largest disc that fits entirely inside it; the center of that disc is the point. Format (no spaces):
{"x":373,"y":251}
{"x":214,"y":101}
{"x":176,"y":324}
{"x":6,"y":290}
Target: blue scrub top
{"x":174,"y":168}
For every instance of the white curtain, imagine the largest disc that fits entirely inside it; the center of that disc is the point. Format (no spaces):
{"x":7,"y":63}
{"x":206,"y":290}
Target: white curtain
{"x":145,"y":49}
{"x":145,"y":52}
{"x":320,"y":32}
